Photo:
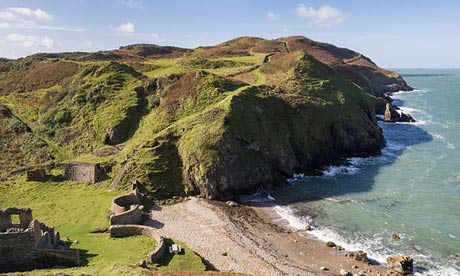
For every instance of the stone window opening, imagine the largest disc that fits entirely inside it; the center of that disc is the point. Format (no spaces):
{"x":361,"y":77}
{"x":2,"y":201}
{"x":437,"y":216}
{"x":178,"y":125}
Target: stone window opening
{"x":15,"y":220}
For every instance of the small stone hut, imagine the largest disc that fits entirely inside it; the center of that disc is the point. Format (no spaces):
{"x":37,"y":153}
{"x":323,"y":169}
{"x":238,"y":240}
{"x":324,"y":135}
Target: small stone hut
{"x":35,"y":175}
{"x":83,"y":172}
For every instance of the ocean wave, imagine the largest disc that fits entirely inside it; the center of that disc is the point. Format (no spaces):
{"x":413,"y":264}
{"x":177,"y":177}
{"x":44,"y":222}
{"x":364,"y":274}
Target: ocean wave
{"x":374,"y":246}
{"x":410,"y":110}
{"x":296,"y":222}
{"x":417,"y":122}
{"x":401,"y":92}
{"x":355,"y":164}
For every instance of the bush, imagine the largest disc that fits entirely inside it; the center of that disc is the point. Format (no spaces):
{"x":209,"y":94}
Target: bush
{"x":63,"y":116}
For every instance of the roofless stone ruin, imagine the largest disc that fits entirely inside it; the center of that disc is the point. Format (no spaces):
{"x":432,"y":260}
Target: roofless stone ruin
{"x":27,"y":244}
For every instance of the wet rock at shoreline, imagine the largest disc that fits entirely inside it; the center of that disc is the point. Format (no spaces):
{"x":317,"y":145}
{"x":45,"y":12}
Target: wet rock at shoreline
{"x":391,"y":114}
{"x":359,"y":256}
{"x":330,"y":244}
{"x":401,"y":264}
{"x":231,"y":203}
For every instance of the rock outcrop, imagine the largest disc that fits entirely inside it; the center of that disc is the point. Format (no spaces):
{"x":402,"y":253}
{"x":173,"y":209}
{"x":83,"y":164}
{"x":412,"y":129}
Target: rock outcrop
{"x":359,"y":256}
{"x":401,"y":264}
{"x":392,"y":114}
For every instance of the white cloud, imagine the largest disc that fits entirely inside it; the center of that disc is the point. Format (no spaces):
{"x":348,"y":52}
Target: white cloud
{"x":8,"y":16}
{"x":271,"y":16}
{"x":324,"y":16}
{"x":25,"y":18}
{"x":126,"y":28}
{"x":48,"y":42}
{"x":30,"y":41}
{"x":37,"y":14}
{"x":132,"y":3}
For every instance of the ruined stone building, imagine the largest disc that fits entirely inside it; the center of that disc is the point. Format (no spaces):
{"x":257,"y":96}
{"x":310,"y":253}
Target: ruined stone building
{"x":35,"y":175}
{"x":83,"y":172}
{"x":27,"y":244}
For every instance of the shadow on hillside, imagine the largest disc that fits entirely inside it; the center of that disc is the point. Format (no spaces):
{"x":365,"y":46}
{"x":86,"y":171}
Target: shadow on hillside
{"x":166,"y":259}
{"x":399,"y":137}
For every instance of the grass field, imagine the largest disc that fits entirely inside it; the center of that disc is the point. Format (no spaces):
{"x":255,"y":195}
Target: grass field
{"x":75,"y":210}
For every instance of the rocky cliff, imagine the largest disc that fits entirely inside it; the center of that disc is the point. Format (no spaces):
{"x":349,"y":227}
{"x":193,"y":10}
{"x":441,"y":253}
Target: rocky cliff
{"x":216,"y":121}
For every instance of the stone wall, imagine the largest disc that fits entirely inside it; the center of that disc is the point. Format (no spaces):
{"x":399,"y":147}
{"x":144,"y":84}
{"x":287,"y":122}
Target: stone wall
{"x":120,"y":231}
{"x":126,"y":209}
{"x":25,"y":218}
{"x":17,"y":252}
{"x":83,"y":172}
{"x":35,"y":175}
{"x":31,"y":244}
{"x":132,"y":216}
{"x":120,"y":203}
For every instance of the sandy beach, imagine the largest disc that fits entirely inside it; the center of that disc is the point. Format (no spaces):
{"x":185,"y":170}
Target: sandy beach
{"x":252,"y":240}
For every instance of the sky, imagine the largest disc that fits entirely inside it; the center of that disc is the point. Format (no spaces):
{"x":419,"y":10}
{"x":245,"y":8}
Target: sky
{"x":393,"y":33}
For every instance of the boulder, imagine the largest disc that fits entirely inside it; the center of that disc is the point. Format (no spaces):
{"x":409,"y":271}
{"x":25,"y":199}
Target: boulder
{"x":231,"y":203}
{"x":359,"y":256}
{"x":330,"y":244}
{"x":343,"y":272}
{"x":401,"y":264}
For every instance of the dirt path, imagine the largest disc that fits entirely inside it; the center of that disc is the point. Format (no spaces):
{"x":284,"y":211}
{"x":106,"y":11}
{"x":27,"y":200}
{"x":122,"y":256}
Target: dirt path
{"x":286,"y":46}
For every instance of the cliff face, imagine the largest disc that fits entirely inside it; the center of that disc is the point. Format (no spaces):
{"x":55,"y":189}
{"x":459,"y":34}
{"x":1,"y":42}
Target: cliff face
{"x":259,"y":135}
{"x":216,"y":121}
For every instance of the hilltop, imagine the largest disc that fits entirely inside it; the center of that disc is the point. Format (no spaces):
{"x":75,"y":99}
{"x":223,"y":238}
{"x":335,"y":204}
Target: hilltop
{"x":214,"y":121}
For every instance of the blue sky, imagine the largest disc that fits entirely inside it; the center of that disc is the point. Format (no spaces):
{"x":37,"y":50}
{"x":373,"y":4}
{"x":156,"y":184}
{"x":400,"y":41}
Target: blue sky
{"x":395,"y":34}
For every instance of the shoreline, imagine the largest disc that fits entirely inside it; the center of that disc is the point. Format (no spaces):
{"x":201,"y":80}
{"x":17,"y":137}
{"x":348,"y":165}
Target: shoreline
{"x":251,"y":239}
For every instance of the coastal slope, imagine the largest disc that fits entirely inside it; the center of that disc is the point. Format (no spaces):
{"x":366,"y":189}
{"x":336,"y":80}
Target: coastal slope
{"x":214,"y":121}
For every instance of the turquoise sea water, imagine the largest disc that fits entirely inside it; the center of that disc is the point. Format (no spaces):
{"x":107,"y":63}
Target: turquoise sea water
{"x":412,"y":190}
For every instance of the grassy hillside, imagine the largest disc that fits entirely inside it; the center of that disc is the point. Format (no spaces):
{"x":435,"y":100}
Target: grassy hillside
{"x":215,"y":121}
{"x":188,"y":121}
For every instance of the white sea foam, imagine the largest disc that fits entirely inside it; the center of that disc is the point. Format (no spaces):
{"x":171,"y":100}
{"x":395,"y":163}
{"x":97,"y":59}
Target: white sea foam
{"x":402,"y":92}
{"x":417,"y":122}
{"x":410,"y":110}
{"x":374,"y":246}
{"x":355,"y":164}
{"x":323,"y":234}
{"x":293,"y":221}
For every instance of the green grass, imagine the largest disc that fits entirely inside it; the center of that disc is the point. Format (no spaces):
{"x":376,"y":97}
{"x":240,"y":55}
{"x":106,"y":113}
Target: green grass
{"x":185,"y":261}
{"x":166,"y":67}
{"x":77,"y":209}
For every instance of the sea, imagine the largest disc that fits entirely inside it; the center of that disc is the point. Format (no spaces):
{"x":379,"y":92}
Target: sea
{"x":411,"y":190}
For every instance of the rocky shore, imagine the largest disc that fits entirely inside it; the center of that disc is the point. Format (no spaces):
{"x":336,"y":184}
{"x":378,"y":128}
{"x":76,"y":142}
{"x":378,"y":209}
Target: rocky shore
{"x":254,"y":240}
